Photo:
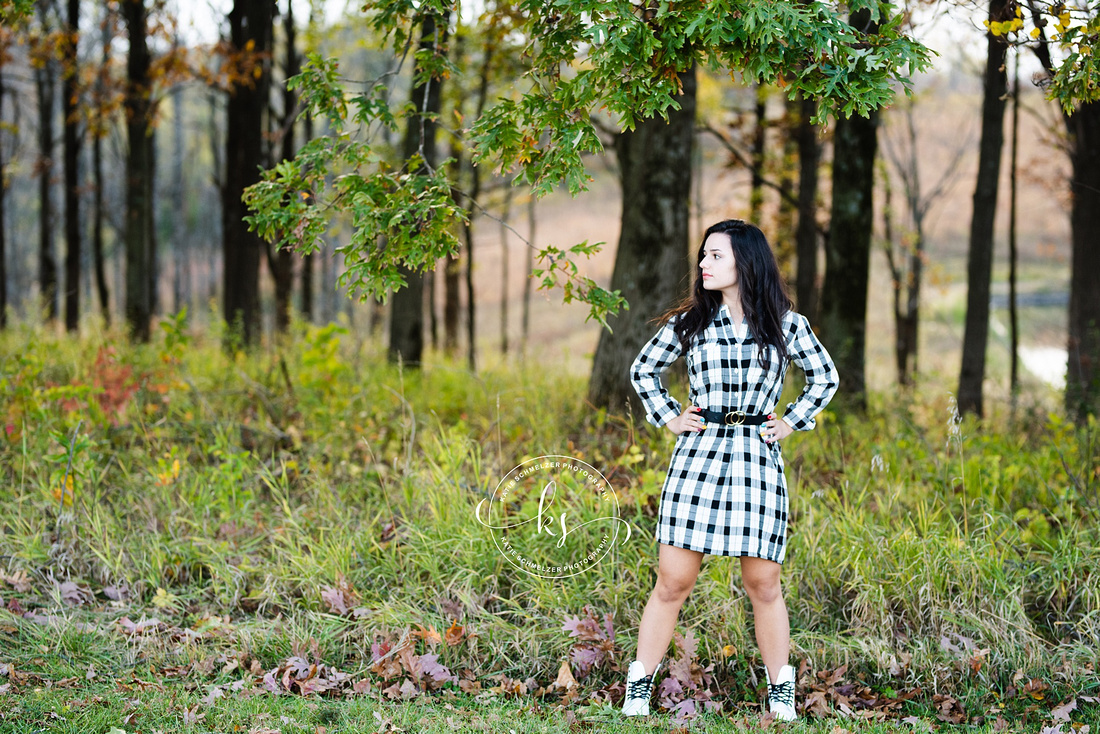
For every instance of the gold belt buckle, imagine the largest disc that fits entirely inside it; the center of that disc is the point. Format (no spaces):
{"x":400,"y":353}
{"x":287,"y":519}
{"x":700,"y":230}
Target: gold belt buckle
{"x":735,"y":418}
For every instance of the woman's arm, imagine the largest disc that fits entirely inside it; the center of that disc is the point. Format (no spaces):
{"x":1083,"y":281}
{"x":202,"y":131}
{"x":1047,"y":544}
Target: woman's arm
{"x":645,"y":375}
{"x":822,"y":380}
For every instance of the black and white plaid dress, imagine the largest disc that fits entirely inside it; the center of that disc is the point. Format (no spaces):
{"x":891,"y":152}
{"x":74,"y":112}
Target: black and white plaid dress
{"x":725,"y":493}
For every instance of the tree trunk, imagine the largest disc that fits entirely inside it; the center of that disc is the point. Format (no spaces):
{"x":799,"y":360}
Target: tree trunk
{"x":980,"y":261}
{"x":809,"y":154}
{"x":407,"y":310}
{"x":97,"y":177}
{"x":71,"y":157}
{"x":181,"y":259}
{"x":652,"y":264}
{"x":3,"y":206}
{"x":307,"y":260}
{"x":282,"y":264}
{"x":1013,"y":178}
{"x":896,"y":276}
{"x":1083,"y":379}
{"x":784,"y":231}
{"x":250,"y":31}
{"x":139,"y":172}
{"x":44,"y":86}
{"x":528,"y":265}
{"x":848,"y":250}
{"x":505,"y":265}
{"x":759,"y":141}
{"x":97,"y":231}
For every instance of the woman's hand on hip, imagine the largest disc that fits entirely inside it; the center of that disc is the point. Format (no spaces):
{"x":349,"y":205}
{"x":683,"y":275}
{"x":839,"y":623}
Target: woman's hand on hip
{"x":690,"y":420}
{"x":775,"y":429}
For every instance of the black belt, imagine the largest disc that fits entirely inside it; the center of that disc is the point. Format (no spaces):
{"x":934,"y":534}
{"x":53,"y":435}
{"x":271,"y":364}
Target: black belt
{"x":733,"y":418}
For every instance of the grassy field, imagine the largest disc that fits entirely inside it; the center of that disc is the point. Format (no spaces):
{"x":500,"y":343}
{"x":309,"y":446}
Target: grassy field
{"x":285,"y":541}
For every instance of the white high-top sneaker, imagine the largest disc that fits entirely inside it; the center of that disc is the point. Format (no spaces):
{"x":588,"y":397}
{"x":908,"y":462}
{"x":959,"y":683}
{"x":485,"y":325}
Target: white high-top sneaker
{"x":781,"y":695}
{"x":639,"y":687}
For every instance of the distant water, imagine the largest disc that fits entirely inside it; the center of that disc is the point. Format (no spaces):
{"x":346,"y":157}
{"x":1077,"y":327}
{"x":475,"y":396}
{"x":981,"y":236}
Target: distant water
{"x":1047,"y":363}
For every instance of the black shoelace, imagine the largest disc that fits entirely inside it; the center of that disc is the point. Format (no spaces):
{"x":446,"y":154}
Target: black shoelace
{"x":642,"y":688}
{"x":782,"y":693}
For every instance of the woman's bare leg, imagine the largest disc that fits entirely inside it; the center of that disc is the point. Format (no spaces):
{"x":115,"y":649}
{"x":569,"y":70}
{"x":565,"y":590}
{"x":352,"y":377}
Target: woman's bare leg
{"x":773,"y":629}
{"x":677,"y":570}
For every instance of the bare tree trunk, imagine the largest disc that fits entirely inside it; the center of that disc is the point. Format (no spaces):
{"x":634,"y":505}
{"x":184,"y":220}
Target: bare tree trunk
{"x":3,"y":205}
{"x":281,"y":261}
{"x":784,"y":232}
{"x":1083,"y":383}
{"x":528,"y":265}
{"x":44,"y":84}
{"x":70,"y":75}
{"x":407,"y":311}
{"x":980,"y":262}
{"x":652,"y":265}
{"x":1083,"y":346}
{"x":452,"y":266}
{"x":250,"y":27}
{"x":97,"y":231}
{"x":896,"y":276}
{"x":471,"y":301}
{"x":308,"y":307}
{"x":848,"y":250}
{"x":180,"y":249}
{"x":759,"y":141}
{"x":97,"y":175}
{"x":139,"y":171}
{"x":153,"y":273}
{"x":475,"y":193}
{"x":429,"y":293}
{"x":1013,"y":314}
{"x":506,"y":214}
{"x":809,"y":154}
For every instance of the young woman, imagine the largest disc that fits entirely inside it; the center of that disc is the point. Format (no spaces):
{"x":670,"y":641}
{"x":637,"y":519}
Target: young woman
{"x":725,"y":493}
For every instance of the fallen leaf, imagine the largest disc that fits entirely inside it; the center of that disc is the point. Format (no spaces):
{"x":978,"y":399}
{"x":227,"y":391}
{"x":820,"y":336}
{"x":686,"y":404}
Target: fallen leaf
{"x":117,"y":592}
{"x":74,"y":594}
{"x":1061,"y":713}
{"x":164,"y":598}
{"x":136,"y":628}
{"x":565,"y":679}
{"x":193,"y":715}
{"x":19,"y":581}
{"x":430,"y":636}
{"x":454,"y":633}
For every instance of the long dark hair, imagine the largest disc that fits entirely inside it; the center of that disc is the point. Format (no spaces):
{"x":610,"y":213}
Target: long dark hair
{"x":763,"y":292}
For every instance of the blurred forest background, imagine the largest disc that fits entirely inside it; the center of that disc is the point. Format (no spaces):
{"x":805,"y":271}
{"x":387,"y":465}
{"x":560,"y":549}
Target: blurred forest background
{"x":94,"y":225}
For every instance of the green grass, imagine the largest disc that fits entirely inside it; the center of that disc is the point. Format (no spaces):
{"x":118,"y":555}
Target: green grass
{"x":234,"y":497}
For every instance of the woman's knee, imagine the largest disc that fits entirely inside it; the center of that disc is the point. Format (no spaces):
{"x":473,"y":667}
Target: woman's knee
{"x":673,"y":587}
{"x":762,"y":587}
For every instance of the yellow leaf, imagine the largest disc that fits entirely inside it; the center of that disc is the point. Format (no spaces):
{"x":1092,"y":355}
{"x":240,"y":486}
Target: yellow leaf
{"x":1035,"y":32}
{"x":68,"y":494}
{"x":163,"y":599}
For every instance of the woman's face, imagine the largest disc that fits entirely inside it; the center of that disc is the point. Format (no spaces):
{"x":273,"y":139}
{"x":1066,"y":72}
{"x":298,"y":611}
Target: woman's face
{"x":718,"y":268}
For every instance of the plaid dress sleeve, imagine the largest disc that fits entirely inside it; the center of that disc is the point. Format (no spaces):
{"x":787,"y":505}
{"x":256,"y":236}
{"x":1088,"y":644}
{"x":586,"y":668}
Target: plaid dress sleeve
{"x":645,"y":375}
{"x":822,"y":380}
